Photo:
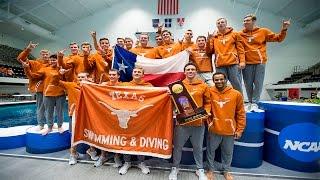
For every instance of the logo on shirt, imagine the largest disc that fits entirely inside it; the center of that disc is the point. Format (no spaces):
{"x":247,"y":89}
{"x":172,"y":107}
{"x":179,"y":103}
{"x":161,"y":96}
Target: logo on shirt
{"x":224,"y":40}
{"x":202,"y":54}
{"x":251,"y":38}
{"x":221,"y":103}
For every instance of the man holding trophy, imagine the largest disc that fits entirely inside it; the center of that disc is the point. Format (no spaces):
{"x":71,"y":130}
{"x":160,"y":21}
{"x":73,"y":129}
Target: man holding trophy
{"x":192,"y":99}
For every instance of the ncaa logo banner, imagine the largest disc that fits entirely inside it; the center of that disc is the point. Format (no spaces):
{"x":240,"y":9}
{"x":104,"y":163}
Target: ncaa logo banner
{"x":127,"y":120}
{"x":301,"y":142}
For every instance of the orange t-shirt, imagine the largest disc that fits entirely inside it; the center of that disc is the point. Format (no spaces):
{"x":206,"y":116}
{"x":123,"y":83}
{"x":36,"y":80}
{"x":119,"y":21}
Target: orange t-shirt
{"x":74,"y":64}
{"x":35,"y":85}
{"x":134,"y":83}
{"x":164,"y":51}
{"x":185,"y":45}
{"x":201,"y":58}
{"x":228,"y":48}
{"x":255,"y":42}
{"x":142,"y":51}
{"x":50,"y":77}
{"x":200,"y":94}
{"x":98,"y":66}
{"x":73,"y":91}
{"x":228,"y":114}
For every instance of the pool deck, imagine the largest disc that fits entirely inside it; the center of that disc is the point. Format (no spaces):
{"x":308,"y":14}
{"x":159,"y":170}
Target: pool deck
{"x":16,"y":102}
{"x":18,"y":164}
{"x":34,"y":169}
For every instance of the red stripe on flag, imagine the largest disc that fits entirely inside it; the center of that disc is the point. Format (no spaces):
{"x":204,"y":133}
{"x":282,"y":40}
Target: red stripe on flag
{"x":172,"y":7}
{"x":161,"y":1}
{"x":160,"y":80}
{"x":177,"y":9}
{"x":159,"y":6}
{"x":163,"y":7}
{"x":168,"y":7}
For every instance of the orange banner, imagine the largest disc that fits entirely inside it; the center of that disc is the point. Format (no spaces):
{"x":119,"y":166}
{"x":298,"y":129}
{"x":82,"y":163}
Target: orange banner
{"x":127,"y":120}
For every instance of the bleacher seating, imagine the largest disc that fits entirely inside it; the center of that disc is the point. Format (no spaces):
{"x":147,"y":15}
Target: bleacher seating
{"x":311,"y":74}
{"x":9,"y":54}
{"x":18,"y":72}
{"x":8,"y":60}
{"x":313,"y":78}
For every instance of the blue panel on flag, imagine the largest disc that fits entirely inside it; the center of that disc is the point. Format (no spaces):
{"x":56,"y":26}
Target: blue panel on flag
{"x":124,"y":62}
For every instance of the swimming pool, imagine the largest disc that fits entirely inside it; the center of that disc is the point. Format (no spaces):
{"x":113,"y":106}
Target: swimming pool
{"x":22,"y":114}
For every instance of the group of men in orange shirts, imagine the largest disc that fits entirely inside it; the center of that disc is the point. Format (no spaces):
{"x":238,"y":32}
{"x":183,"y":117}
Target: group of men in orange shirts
{"x":234,"y":52}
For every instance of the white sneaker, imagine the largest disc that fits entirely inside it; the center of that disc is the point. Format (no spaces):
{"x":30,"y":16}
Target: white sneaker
{"x":117,"y":161}
{"x":247,"y":107}
{"x":73,"y":159}
{"x":55,"y":126}
{"x":173,"y":174}
{"x":93,"y":155}
{"x":60,"y":130}
{"x":39,"y":128}
{"x":201,"y":175}
{"x":254,"y":107}
{"x":144,"y":168}
{"x":45,"y":131}
{"x":124,"y":169}
{"x":100,"y":161}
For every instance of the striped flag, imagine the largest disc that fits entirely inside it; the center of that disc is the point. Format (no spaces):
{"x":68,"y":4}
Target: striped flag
{"x":159,"y":72}
{"x":168,"y":7}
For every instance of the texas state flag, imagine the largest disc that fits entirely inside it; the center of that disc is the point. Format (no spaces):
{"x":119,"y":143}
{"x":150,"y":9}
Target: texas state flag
{"x":159,"y":72}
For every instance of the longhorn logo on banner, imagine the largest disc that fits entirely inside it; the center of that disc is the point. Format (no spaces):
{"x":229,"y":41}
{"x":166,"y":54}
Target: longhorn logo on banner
{"x":124,"y":115}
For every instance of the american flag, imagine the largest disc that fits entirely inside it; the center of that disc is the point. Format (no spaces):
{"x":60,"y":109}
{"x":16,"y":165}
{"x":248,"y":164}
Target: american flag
{"x":168,"y":7}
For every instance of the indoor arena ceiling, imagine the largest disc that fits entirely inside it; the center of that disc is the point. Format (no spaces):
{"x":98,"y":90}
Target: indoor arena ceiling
{"x":47,"y":15}
{"x":302,"y":11}
{"x":44,"y":17}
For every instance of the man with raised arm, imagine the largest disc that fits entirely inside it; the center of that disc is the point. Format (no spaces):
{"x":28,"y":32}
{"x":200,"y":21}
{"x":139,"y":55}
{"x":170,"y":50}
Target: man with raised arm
{"x":255,"y":45}
{"x":35,"y":85}
{"x":229,"y":53}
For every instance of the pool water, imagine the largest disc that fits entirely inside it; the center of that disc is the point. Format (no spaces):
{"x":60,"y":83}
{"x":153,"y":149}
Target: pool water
{"x":22,"y":114}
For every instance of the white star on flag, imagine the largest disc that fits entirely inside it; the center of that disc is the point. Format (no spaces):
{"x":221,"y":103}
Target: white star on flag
{"x":122,"y":67}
